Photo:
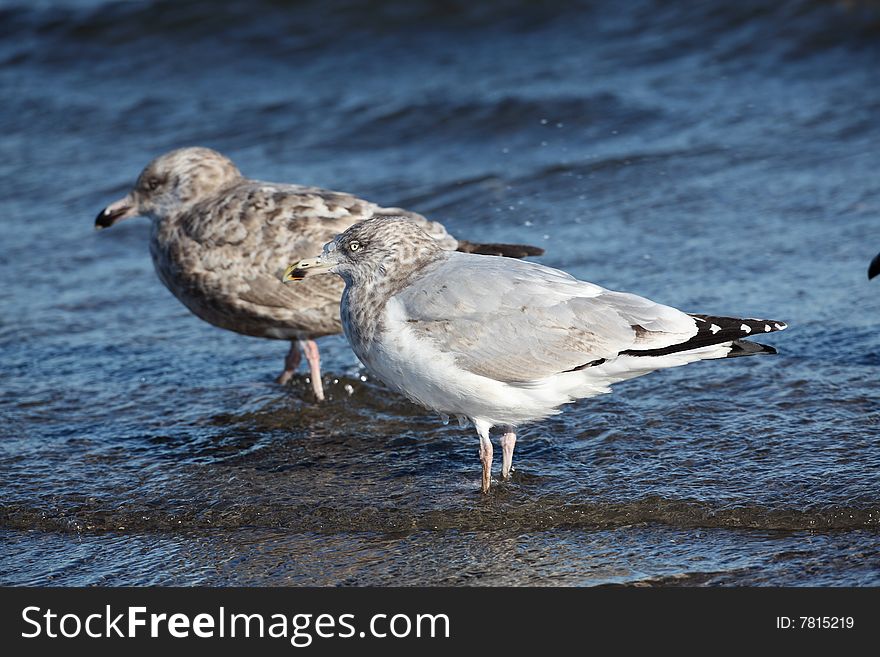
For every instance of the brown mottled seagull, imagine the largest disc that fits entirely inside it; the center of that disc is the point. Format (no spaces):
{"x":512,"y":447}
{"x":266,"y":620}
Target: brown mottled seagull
{"x":501,"y":342}
{"x":220,"y":243}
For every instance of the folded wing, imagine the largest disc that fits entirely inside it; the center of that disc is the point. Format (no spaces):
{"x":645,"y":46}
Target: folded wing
{"x":521,"y":322}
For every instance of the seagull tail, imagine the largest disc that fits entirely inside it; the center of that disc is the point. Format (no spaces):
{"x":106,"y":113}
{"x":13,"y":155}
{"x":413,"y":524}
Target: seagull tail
{"x":506,"y":250}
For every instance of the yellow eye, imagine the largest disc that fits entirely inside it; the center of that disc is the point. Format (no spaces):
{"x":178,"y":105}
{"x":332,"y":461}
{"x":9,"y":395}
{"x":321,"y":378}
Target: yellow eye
{"x":354,"y":246}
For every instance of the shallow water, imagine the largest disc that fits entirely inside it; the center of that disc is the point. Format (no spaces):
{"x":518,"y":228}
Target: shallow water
{"x":721,"y":159}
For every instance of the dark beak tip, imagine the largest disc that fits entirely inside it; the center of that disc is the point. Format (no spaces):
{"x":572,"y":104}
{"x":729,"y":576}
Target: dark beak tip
{"x":103,"y":220}
{"x":106,"y":219}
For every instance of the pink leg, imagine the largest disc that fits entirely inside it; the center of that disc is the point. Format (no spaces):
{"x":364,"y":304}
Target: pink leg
{"x":310,"y":349}
{"x":508,"y":442}
{"x":485,"y":454}
{"x":291,"y":362}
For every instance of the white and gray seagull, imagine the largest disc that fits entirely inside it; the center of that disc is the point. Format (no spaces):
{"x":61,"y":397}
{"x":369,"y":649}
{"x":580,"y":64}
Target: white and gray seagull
{"x":502,"y":342}
{"x":220,"y":242}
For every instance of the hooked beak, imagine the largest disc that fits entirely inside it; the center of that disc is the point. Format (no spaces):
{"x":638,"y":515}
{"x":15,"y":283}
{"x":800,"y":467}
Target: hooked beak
{"x":874,"y":269}
{"x":308,"y":267}
{"x":121,"y":209}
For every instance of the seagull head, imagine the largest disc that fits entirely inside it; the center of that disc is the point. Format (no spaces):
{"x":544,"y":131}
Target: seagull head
{"x":171,"y":183}
{"x":379,"y":247}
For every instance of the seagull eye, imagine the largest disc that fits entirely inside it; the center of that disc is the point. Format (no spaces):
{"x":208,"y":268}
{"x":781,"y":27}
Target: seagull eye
{"x":153,"y":183}
{"x":354,"y":246}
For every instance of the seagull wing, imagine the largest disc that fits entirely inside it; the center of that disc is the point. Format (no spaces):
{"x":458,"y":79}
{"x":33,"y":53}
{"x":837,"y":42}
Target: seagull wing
{"x":521,"y":322}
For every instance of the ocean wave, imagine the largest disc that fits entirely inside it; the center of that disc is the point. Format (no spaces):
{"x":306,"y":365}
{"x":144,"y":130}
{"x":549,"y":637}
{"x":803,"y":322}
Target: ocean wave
{"x":541,"y":514}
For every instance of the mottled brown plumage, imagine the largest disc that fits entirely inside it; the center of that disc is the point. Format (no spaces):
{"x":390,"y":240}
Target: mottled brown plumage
{"x":220,"y":243}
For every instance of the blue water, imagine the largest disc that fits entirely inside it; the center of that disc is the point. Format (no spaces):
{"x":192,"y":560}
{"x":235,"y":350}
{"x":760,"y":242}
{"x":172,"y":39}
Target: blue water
{"x":718,"y":157}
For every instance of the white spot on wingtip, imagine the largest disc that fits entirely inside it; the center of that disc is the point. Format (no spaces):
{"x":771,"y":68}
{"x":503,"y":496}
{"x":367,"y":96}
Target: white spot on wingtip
{"x":767,"y":328}
{"x":745,"y":329}
{"x":714,"y":328}
{"x":779,"y":326}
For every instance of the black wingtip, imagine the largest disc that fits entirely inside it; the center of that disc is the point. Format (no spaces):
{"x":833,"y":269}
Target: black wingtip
{"x":713,"y":329}
{"x":874,"y":268}
{"x":504,"y":250}
{"x":748,"y":348}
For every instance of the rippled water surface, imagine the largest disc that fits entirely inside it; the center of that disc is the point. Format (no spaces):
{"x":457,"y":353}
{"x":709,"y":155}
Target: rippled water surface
{"x":721,"y":158}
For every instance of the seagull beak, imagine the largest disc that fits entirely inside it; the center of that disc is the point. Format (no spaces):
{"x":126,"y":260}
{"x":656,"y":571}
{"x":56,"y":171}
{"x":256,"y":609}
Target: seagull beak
{"x":308,"y":267}
{"x":874,"y":269}
{"x":121,"y":209}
